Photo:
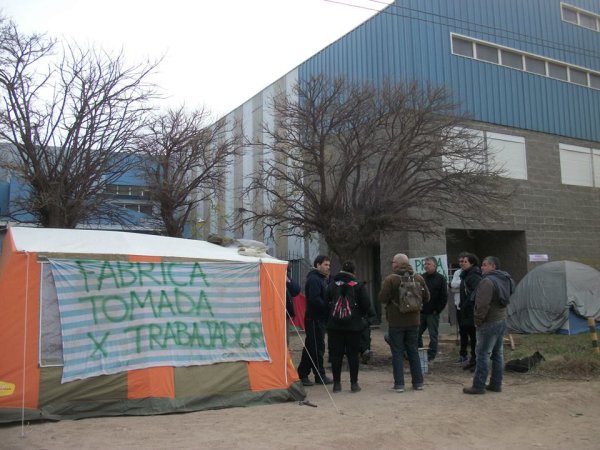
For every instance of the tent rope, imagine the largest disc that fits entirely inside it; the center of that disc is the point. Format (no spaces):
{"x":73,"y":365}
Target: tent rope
{"x":25,"y":346}
{"x":300,"y":338}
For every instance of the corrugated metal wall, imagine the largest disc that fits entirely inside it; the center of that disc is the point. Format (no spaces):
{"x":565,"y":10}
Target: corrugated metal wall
{"x":411,"y":40}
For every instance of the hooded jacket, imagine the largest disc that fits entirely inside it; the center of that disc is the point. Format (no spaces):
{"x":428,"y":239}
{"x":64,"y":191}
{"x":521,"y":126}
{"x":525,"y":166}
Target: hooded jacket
{"x":390,"y":292}
{"x":487,"y":306}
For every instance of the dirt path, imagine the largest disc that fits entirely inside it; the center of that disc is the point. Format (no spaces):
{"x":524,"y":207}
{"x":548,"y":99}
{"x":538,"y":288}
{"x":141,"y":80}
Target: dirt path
{"x":531,"y":412}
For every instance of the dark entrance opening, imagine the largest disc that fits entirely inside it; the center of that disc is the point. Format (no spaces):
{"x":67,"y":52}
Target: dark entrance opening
{"x":509,"y":246}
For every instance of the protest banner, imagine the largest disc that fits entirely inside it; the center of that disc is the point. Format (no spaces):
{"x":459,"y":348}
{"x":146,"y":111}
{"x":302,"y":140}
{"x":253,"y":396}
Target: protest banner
{"x":118,"y":315}
{"x":418,"y":264}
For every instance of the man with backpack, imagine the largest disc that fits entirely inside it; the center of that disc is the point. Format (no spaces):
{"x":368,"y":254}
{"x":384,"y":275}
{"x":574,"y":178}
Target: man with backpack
{"x":491,"y":298}
{"x":403,"y":293}
{"x":348,"y":302}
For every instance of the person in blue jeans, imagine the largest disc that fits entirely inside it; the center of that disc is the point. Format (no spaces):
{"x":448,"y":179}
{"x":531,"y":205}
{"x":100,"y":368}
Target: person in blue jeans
{"x":491,"y":297}
{"x":403,"y":332}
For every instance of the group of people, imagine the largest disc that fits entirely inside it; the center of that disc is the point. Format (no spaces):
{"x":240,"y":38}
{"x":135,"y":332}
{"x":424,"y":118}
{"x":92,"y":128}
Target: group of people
{"x":481,"y":310}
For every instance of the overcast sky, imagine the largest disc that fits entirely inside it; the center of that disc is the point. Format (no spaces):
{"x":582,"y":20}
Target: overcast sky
{"x":217,"y":53}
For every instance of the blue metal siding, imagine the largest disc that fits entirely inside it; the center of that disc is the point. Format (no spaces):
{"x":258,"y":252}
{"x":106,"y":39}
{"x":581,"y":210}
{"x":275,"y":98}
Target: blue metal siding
{"x":411,"y":40}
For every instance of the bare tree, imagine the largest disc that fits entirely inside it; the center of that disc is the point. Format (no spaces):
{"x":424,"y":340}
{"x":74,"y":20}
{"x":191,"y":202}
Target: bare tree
{"x":352,"y":161}
{"x":71,"y":125}
{"x":185,"y":163}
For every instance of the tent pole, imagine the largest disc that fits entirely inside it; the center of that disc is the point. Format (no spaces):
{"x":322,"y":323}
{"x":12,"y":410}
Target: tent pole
{"x":25,"y":346}
{"x":592,"y":325}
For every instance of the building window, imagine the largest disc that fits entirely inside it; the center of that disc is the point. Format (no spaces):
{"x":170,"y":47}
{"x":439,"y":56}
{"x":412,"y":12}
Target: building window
{"x":504,"y":153}
{"x":507,"y":153}
{"x":512,"y":59}
{"x":487,"y":53}
{"x":569,"y":15}
{"x":580,"y":17}
{"x":557,"y":71}
{"x":588,"y":21}
{"x":579,"y":166}
{"x":535,"y":65}
{"x":139,"y":208}
{"x":509,"y":57}
{"x":462,"y":47}
{"x":578,"y":76}
{"x":123,"y":189}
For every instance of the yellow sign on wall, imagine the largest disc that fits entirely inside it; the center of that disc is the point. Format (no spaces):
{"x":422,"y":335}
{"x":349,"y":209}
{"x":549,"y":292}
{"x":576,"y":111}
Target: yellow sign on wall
{"x":6,"y":388}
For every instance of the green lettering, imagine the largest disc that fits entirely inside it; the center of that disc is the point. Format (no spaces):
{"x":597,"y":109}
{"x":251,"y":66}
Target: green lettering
{"x":198,"y":338}
{"x":183,"y":337}
{"x":229,"y":334}
{"x":154,"y":333}
{"x":138,"y":336}
{"x":134,"y":299}
{"x":181,"y":298}
{"x":168,"y":335}
{"x":125,"y":270}
{"x":198,"y":272}
{"x":165,"y":303}
{"x":106,"y":273}
{"x":203,"y":304}
{"x":147,"y":272}
{"x":92,"y":299}
{"x":99,"y":346}
{"x":171,"y":277}
{"x":84,"y":273}
{"x":115,"y":314}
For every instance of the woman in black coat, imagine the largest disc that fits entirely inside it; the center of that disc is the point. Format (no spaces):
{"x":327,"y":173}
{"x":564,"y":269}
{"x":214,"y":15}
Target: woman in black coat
{"x":344,"y":327}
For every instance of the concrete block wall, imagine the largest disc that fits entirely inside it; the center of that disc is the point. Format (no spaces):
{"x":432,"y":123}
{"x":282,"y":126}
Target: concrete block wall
{"x":559,"y":220}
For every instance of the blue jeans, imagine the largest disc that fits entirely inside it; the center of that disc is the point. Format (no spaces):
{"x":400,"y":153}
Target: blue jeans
{"x":431,"y":323}
{"x":490,"y":343}
{"x":405,"y":339}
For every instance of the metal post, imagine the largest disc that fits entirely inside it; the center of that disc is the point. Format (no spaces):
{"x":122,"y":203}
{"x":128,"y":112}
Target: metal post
{"x":592,"y":325}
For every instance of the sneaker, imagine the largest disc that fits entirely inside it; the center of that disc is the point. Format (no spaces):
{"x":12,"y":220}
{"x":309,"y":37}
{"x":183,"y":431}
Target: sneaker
{"x":473,"y":390}
{"x":324,"y":380}
{"x":354,"y":387}
{"x":418,"y":387}
{"x":494,"y":388}
{"x":398,"y":388}
{"x":337,"y":387}
{"x":306,"y":382}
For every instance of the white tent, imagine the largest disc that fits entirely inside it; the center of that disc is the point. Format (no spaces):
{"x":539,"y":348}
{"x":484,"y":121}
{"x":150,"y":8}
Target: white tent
{"x":555,"y":297}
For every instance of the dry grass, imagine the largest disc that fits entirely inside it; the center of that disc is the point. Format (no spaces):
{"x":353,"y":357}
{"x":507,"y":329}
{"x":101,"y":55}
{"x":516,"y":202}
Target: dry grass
{"x":565,"y":356}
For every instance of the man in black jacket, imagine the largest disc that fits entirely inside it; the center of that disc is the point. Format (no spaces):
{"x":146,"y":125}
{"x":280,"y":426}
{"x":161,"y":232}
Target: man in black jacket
{"x":430,"y":314}
{"x":470,"y":277}
{"x":315,"y":320}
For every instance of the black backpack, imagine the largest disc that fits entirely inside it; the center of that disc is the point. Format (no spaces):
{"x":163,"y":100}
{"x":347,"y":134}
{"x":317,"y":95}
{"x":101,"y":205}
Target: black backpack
{"x":343,"y":308}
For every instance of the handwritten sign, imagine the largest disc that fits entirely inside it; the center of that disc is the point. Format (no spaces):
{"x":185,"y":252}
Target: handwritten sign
{"x":418,"y":264}
{"x":118,"y":315}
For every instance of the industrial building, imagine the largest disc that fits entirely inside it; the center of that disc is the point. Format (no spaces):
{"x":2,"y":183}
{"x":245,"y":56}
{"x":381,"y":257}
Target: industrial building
{"x":527,"y":73}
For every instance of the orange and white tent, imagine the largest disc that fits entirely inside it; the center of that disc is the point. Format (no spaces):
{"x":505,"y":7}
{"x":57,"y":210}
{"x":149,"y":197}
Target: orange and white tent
{"x":98,"y":323}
